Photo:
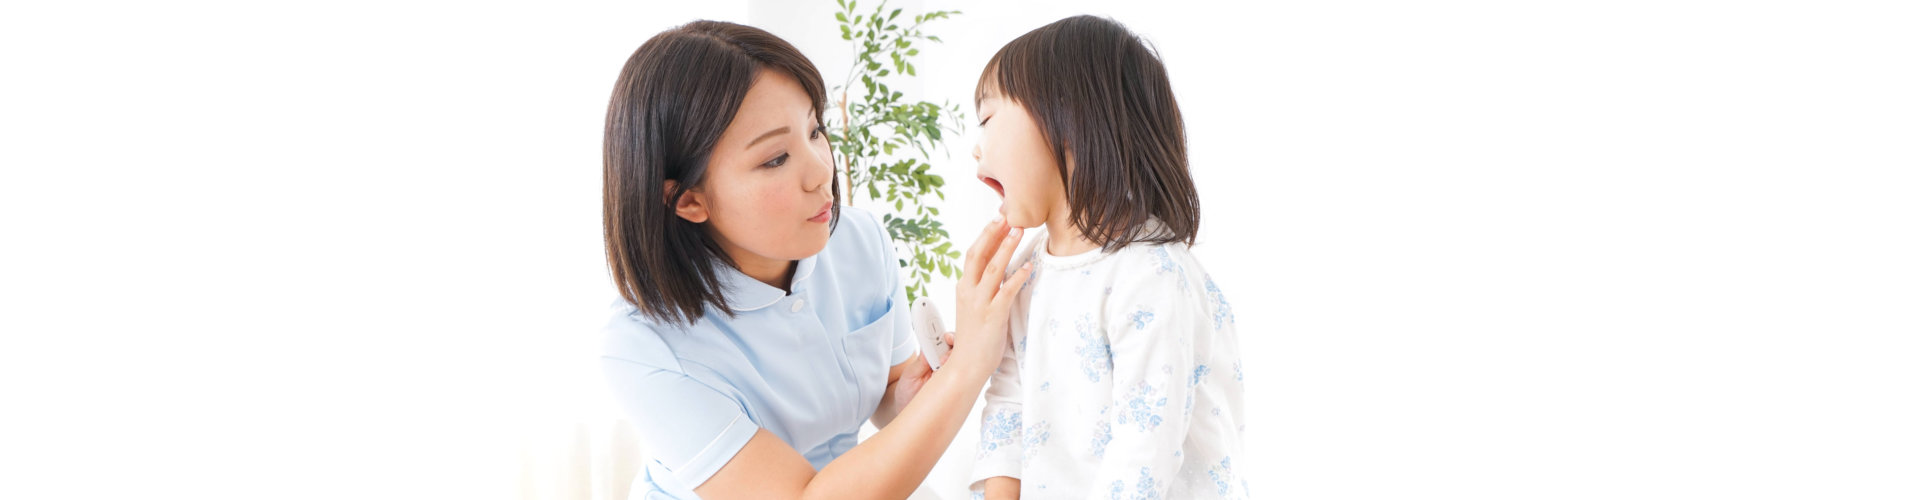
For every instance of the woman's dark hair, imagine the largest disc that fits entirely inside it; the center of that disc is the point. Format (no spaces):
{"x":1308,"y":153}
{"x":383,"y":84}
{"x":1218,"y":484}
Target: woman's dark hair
{"x":1100,"y":95}
{"x":674,"y":98}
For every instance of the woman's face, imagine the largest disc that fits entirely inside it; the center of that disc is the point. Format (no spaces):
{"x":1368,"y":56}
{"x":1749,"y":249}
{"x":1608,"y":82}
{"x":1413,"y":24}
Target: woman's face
{"x":1016,"y":162}
{"x":767,"y":193}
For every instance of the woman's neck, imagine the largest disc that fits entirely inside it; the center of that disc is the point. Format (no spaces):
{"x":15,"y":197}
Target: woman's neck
{"x":774,"y":272}
{"x":777,"y":273}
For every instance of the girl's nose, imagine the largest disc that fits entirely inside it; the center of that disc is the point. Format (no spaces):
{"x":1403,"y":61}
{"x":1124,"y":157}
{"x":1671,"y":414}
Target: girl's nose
{"x":976,"y":152}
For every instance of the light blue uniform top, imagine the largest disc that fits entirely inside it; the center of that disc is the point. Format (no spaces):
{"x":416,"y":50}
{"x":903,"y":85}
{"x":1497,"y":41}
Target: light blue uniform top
{"x":809,"y":367}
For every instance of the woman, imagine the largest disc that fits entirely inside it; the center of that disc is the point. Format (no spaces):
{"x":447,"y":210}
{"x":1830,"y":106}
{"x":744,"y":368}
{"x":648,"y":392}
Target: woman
{"x":761,"y":325}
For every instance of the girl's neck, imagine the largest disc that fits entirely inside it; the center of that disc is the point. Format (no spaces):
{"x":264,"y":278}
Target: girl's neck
{"x":1062,"y":238}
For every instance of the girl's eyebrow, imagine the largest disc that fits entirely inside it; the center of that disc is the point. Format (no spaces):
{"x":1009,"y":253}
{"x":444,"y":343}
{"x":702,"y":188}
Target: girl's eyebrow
{"x":770,"y":133}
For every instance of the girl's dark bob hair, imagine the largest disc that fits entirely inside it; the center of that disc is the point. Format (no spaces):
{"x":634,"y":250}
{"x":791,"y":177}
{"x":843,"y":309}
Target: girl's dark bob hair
{"x":1103,"y":102}
{"x":674,"y":98}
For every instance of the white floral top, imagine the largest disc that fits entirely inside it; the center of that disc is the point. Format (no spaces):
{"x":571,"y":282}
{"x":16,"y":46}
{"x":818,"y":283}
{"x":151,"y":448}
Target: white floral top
{"x":1123,"y":381}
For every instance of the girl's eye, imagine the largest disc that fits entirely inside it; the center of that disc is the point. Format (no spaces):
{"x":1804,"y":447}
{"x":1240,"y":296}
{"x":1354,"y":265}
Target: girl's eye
{"x":776,"y":161}
{"x":983,"y":121}
{"x":818,"y":132}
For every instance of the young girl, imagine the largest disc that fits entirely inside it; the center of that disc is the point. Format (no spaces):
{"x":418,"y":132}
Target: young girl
{"x":1123,"y":378}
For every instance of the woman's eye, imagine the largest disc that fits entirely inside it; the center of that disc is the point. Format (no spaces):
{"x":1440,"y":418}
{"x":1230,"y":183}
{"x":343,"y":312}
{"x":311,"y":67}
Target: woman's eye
{"x":983,"y":121}
{"x":818,"y":132}
{"x":776,"y":161}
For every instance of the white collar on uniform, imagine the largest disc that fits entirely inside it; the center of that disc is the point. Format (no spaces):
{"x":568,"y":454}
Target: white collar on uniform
{"x":746,"y":294}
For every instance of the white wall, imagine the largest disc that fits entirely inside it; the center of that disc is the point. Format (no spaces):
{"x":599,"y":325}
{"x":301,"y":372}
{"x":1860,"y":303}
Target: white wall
{"x":1488,"y":249}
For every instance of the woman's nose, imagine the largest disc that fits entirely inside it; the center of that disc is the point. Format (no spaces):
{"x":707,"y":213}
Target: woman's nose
{"x":976,"y":152}
{"x":821,"y":172}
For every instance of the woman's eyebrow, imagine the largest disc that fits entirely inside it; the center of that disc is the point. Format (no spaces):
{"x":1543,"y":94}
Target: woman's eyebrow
{"x":770,"y":133}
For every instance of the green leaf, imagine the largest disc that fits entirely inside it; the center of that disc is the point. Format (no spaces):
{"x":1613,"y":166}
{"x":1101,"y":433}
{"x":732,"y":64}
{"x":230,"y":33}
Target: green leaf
{"x":880,"y":126}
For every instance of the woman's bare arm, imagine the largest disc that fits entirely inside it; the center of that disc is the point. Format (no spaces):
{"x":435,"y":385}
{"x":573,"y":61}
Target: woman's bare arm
{"x":894,"y":461}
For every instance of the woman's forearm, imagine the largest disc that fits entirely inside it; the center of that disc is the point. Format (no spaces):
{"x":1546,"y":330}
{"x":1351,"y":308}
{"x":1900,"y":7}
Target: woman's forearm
{"x":889,"y":404}
{"x":884,"y":415}
{"x":894,"y":461}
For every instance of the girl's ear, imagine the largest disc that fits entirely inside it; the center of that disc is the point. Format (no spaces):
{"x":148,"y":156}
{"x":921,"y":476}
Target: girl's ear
{"x":1068,"y":147}
{"x":692,"y":204}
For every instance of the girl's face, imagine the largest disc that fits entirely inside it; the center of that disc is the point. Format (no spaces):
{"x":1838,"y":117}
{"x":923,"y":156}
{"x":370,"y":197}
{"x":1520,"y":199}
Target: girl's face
{"x":1016,"y":162}
{"x":767,"y":194}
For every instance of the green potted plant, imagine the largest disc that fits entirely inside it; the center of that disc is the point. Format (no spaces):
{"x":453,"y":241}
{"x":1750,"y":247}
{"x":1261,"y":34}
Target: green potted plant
{"x":887,"y":143}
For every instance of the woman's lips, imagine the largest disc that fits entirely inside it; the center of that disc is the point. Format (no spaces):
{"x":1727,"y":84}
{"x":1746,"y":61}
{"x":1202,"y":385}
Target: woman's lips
{"x":826,"y":212}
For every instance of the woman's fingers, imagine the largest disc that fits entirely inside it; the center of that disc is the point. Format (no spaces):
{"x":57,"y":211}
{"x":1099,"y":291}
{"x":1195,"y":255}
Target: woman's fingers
{"x":1003,"y":299}
{"x":977,"y":254}
{"x":997,"y":268}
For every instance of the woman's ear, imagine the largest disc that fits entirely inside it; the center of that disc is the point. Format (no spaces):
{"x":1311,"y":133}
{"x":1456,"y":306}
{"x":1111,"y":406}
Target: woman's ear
{"x":691,"y":206}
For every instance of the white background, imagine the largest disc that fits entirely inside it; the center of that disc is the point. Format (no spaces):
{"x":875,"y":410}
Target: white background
{"x":1485,"y":249}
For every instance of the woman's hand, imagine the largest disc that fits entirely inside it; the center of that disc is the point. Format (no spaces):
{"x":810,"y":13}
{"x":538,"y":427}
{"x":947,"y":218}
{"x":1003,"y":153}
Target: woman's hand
{"x":895,"y":460}
{"x":984,"y":304}
{"x":903,"y":382}
{"x":980,"y":330}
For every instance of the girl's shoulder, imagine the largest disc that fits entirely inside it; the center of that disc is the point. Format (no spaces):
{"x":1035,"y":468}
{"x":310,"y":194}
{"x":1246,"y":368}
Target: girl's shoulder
{"x":1157,"y":259}
{"x":1165,"y":270}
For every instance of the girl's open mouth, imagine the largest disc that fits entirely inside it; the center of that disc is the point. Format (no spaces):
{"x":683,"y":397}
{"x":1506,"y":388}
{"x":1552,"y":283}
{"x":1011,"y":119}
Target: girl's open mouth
{"x":995,"y":184}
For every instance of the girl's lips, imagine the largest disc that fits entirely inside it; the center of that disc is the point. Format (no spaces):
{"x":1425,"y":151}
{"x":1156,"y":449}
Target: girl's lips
{"x":826,"y":212}
{"x":995,"y":184}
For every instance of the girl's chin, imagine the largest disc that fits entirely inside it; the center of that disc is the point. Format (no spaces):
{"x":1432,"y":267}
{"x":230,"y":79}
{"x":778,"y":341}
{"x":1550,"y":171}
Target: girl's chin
{"x":1019,"y":219}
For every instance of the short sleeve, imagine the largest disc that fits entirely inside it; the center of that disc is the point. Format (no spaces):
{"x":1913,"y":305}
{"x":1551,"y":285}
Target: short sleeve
{"x":903,"y":345}
{"x":902,"y":335}
{"x":688,"y":427}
